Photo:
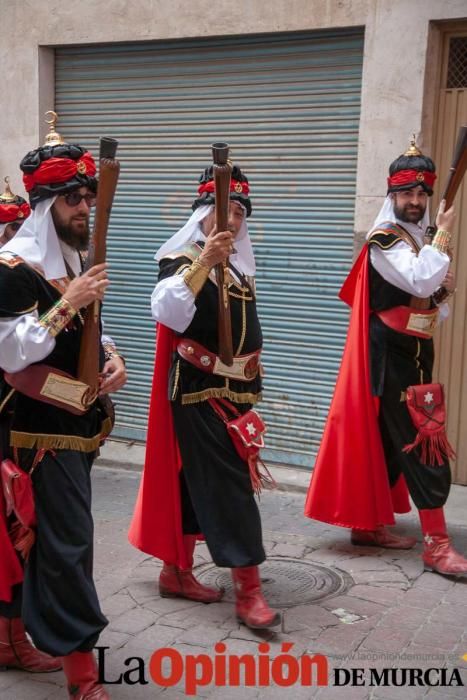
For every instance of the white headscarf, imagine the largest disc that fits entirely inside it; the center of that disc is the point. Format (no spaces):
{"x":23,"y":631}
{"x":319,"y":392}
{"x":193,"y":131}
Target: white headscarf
{"x":37,"y":242}
{"x":243,"y":259}
{"x":386,"y":213}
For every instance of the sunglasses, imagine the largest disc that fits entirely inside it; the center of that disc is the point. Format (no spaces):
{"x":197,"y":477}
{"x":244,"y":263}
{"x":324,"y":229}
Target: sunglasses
{"x":74,"y":198}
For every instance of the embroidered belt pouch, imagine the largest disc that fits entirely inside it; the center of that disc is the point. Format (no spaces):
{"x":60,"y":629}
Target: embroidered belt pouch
{"x":52,"y":386}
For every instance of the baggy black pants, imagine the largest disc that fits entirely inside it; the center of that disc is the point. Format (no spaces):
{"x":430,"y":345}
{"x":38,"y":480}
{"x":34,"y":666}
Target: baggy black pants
{"x":217,"y":498}
{"x":400,"y":361}
{"x":60,"y":607}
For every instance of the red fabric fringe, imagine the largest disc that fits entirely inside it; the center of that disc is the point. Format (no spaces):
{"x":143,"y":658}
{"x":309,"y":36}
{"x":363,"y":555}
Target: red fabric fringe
{"x":434,"y":447}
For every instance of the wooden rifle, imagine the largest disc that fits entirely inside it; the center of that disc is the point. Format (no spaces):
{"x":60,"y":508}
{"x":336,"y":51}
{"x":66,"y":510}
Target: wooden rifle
{"x":88,"y":365}
{"x":221,"y":172}
{"x":455,"y":175}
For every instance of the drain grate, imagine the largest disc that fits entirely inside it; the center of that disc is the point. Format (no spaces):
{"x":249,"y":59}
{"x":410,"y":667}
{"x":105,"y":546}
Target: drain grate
{"x":286,"y":582}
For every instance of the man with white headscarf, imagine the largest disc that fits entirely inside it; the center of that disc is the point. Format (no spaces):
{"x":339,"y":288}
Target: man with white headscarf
{"x":194,"y":482}
{"x":373,"y":448}
{"x":43,"y":296}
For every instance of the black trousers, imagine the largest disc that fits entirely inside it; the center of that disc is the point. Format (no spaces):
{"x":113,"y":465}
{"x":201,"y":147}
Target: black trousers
{"x":60,"y":607}
{"x":404,"y":361}
{"x":216,"y":493}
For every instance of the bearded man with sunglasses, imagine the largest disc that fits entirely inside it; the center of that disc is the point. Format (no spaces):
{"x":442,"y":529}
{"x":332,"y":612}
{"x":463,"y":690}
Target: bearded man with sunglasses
{"x":43,"y":296}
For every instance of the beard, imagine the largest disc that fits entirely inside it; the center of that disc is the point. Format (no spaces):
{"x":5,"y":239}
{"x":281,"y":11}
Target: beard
{"x":409,"y":213}
{"x":76,"y":234}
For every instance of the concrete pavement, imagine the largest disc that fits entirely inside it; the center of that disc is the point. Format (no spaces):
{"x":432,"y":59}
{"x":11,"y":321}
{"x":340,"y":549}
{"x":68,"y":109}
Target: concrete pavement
{"x":385,"y":612}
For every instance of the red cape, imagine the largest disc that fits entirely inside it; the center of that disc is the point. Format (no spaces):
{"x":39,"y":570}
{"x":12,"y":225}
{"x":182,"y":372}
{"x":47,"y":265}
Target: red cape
{"x":350,"y":485}
{"x":156,"y":527}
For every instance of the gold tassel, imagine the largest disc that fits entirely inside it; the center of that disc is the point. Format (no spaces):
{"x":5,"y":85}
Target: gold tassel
{"x":54,"y":442}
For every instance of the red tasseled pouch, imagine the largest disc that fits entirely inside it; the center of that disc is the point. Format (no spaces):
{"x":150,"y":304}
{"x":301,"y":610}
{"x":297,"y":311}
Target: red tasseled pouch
{"x":246,"y":432}
{"x":19,"y":500}
{"x":426,"y":406}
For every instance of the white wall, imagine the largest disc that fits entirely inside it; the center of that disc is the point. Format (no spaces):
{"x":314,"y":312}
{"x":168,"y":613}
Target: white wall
{"x":394,"y":94}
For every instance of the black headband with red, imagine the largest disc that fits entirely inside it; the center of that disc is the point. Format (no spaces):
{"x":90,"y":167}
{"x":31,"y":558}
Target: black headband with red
{"x":58,"y":169}
{"x":239,"y":189}
{"x":408,"y":171}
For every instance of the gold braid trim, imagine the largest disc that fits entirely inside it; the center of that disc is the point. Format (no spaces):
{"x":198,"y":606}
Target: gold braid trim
{"x":177,"y":377}
{"x":220,"y":393}
{"x":57,"y":442}
{"x":57,"y":317}
{"x":6,"y":399}
{"x":242,"y":337}
{"x":196,"y":277}
{"x":106,"y":428}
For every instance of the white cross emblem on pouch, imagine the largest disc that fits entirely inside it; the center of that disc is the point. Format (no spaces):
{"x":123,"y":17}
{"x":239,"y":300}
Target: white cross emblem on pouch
{"x":428,"y":398}
{"x":251,"y":429}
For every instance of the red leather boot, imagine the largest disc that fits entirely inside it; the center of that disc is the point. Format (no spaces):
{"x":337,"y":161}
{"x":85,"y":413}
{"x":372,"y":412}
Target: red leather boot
{"x":251,"y":607}
{"x":381,"y":537}
{"x":180,"y":583}
{"x":83,"y":677}
{"x":438,"y":553}
{"x":16,"y":651}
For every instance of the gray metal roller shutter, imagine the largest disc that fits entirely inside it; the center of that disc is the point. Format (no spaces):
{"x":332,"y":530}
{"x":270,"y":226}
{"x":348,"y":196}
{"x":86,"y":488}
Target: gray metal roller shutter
{"x":289,"y":105}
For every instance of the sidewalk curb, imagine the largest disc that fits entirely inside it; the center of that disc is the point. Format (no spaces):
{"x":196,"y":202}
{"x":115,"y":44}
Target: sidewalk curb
{"x":130,"y":457}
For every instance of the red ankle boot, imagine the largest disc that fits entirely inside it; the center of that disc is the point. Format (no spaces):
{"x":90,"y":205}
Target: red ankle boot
{"x":16,"y":651}
{"x":438,"y":553}
{"x":180,"y":583}
{"x":251,"y":607}
{"x":381,"y":537}
{"x":83,"y":677}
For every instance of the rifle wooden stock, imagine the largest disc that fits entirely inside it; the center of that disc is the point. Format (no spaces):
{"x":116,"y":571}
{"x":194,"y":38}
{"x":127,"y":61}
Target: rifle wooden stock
{"x":458,"y":167}
{"x":222,"y":170}
{"x":88,"y":365}
{"x":456,"y":173}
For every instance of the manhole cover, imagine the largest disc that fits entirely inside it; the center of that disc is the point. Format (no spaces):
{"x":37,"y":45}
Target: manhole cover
{"x":286,"y":582}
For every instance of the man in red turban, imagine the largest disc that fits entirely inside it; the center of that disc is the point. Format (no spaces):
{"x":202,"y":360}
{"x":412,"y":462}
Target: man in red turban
{"x":195,"y":483}
{"x":373,"y":448}
{"x":43,"y":296}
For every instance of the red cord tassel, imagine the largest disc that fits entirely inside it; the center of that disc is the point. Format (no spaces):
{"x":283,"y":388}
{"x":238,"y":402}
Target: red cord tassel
{"x":260,"y":479}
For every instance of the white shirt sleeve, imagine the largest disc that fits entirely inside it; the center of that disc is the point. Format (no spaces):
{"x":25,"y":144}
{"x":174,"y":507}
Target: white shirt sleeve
{"x":173,"y":303}
{"x":23,"y":341}
{"x":418,"y":275}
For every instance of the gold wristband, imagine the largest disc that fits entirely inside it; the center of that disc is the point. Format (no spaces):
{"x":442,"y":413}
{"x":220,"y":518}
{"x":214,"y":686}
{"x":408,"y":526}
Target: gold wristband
{"x":442,"y":240}
{"x":195,"y":277}
{"x":57,"y":317}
